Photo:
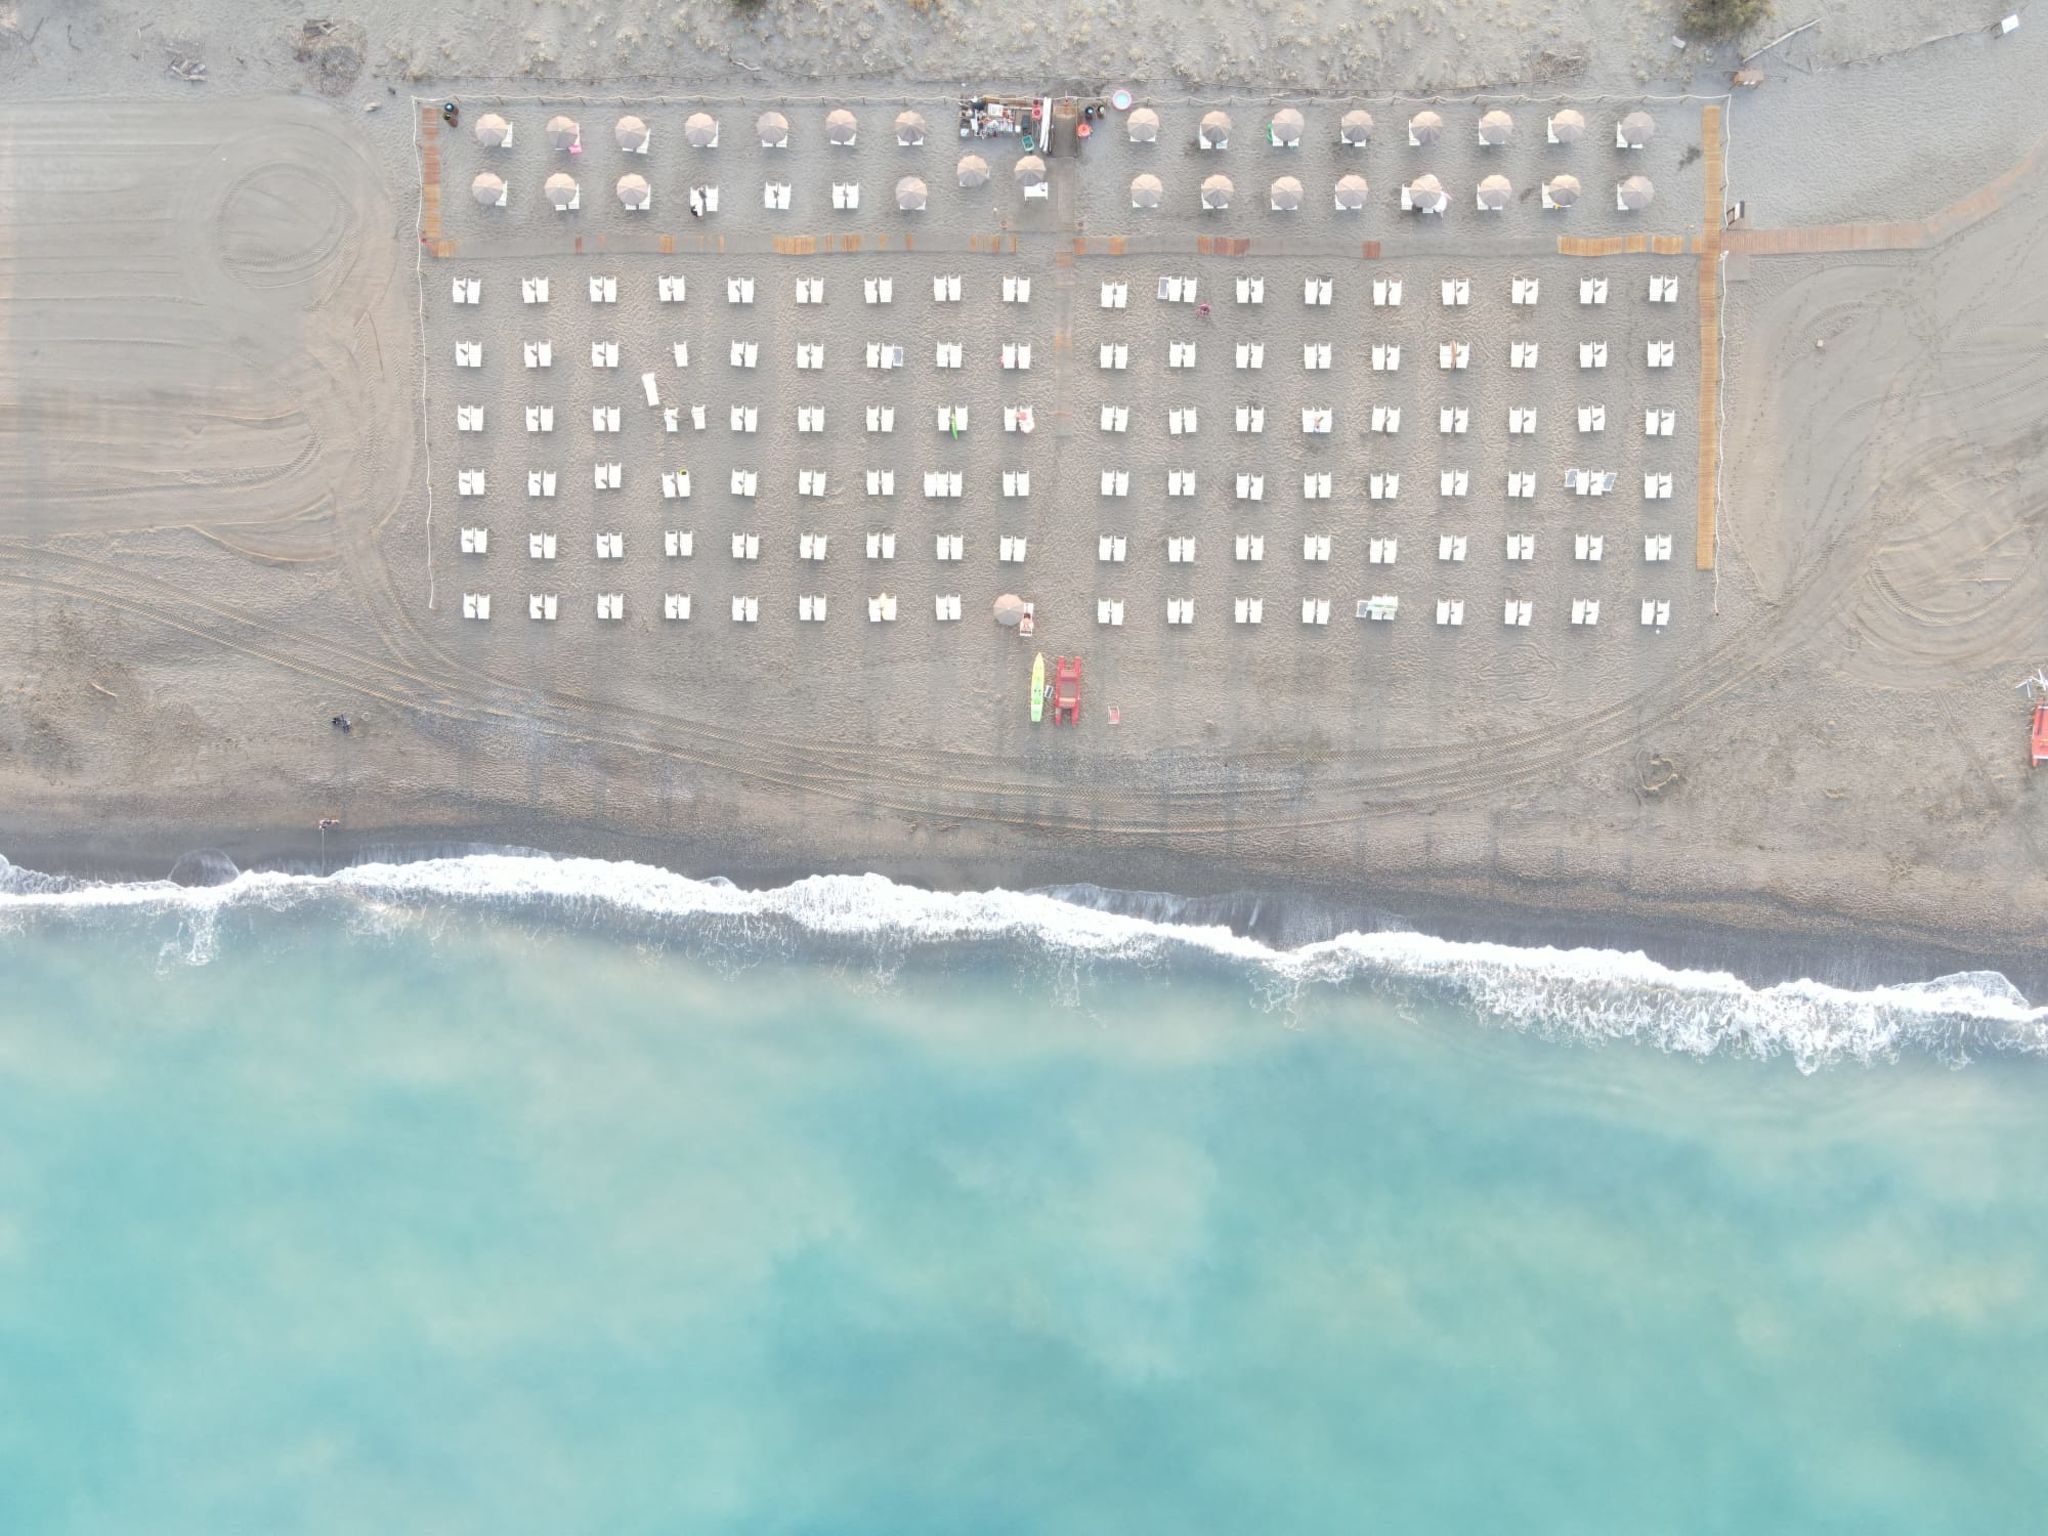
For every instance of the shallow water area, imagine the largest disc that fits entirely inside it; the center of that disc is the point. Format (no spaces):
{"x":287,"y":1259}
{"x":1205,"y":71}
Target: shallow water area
{"x":330,"y":1206}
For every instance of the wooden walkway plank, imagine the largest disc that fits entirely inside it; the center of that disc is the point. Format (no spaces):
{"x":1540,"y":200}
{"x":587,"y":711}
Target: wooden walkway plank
{"x":430,"y":179}
{"x":1710,"y":342}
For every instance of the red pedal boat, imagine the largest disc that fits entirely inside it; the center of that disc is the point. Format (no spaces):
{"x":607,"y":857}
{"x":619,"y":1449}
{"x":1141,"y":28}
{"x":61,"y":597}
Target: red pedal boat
{"x":2037,"y":689}
{"x":1066,"y":691}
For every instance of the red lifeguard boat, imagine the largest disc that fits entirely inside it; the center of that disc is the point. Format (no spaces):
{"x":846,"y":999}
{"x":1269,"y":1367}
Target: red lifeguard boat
{"x":1066,"y":691}
{"x":2037,"y":690}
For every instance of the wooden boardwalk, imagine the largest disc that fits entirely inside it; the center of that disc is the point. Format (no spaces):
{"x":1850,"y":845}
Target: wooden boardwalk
{"x":1704,"y":536}
{"x":1914,"y":235}
{"x":1622,"y":245}
{"x":430,"y":183}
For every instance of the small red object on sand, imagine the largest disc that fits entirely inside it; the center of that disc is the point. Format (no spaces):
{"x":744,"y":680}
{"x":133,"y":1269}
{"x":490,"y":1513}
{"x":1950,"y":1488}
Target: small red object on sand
{"x":2041,"y":732}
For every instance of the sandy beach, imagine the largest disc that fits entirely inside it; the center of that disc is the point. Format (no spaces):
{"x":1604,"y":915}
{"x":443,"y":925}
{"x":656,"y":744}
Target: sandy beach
{"x":230,"y":366}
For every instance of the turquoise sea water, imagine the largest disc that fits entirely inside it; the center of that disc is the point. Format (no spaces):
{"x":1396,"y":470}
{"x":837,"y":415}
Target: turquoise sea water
{"x":386,"y":1208}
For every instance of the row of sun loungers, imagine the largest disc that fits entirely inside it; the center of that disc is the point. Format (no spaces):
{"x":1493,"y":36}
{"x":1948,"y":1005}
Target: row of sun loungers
{"x":949,"y":288}
{"x":882,"y":608}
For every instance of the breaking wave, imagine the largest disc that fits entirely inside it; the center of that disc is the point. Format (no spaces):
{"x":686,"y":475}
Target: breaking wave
{"x":1582,"y":994}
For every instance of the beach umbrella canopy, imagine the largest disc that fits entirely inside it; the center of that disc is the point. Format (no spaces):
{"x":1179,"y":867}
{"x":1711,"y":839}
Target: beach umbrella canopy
{"x":634,"y":191}
{"x":909,"y":128}
{"x":773,"y":128}
{"x":492,"y":131}
{"x":488,"y":189}
{"x":1216,"y":192}
{"x":563,"y":132}
{"x":973,"y":171}
{"x":1215,"y":128}
{"x":1286,"y":195}
{"x":1356,"y":127}
{"x":1287,"y":126}
{"x":840,"y":126}
{"x":1030,"y":172}
{"x":911,"y":194}
{"x":1425,"y":127}
{"x":1636,"y":193}
{"x":1568,"y":126}
{"x":631,"y":133}
{"x":1143,"y":126}
{"x":1146,"y":191}
{"x":1495,"y":193}
{"x":1563,"y":190}
{"x":1351,"y":192}
{"x":1427,"y":193}
{"x":701,"y":130}
{"x":561,"y":189}
{"x":1009,"y":610}
{"x":1637,"y":129}
{"x":1496,"y":127}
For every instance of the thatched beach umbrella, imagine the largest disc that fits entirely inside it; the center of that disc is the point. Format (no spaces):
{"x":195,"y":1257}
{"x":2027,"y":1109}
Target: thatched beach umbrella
{"x":840,"y":126}
{"x":1637,"y":129}
{"x":492,"y":131}
{"x":1351,"y":193}
{"x":1216,"y":192}
{"x":1562,"y":191}
{"x":1143,"y":126}
{"x":909,"y":128}
{"x":1356,"y":127}
{"x":561,"y":190}
{"x":1215,"y":129}
{"x":1425,"y":128}
{"x":1495,"y":193}
{"x":911,"y":194}
{"x":1287,"y":127}
{"x":1568,"y":126}
{"x":1030,"y":172}
{"x":773,"y":128}
{"x":1635,"y":194}
{"x":489,"y":189}
{"x":1286,"y":195}
{"x":563,"y":133}
{"x":631,"y":134}
{"x":700,"y":131}
{"x":634,"y":191}
{"x":973,"y":171}
{"x":1146,"y":191}
{"x":1496,"y":127}
{"x":1010,"y":609}
{"x":1426,"y":194}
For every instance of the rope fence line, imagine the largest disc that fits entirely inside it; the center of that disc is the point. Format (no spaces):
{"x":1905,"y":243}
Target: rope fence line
{"x":1043,"y":242}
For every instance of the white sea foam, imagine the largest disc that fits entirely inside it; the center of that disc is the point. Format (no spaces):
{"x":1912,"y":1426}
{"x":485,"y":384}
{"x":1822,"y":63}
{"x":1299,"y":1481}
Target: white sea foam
{"x":1579,"y":993}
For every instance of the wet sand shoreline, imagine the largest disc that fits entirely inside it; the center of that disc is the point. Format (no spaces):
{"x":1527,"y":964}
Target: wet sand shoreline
{"x":1762,"y":943}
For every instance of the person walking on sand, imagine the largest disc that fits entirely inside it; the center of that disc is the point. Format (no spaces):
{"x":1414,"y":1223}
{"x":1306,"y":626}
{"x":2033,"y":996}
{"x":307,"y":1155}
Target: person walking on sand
{"x":342,"y":724}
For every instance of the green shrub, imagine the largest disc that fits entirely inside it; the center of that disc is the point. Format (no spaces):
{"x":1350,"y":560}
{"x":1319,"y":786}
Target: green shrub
{"x":1711,"y":19}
